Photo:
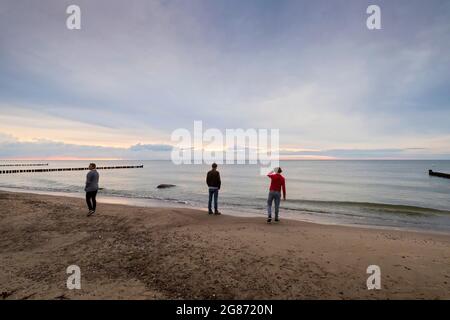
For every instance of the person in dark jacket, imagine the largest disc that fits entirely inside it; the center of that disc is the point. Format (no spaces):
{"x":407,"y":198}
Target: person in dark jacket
{"x":91,"y":188}
{"x":213,"y":182}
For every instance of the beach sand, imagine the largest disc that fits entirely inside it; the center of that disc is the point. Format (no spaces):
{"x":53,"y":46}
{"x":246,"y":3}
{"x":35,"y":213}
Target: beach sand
{"x":127,"y":252}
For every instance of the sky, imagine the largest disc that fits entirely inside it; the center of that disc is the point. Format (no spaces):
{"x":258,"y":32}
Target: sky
{"x":138,"y":70}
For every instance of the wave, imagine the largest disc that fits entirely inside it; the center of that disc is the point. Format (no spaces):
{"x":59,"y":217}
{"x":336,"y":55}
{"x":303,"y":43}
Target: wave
{"x":326,"y":206}
{"x":344,"y":208}
{"x":104,"y":191}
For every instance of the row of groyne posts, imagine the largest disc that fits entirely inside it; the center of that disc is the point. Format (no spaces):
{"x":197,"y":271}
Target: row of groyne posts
{"x":24,"y":165}
{"x":61,"y":169}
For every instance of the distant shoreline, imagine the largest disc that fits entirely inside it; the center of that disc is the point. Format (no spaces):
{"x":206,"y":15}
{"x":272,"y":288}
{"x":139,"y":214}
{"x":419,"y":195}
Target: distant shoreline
{"x":286,"y":159}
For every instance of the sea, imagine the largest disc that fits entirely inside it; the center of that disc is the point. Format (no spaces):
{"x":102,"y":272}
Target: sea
{"x":381,"y":193}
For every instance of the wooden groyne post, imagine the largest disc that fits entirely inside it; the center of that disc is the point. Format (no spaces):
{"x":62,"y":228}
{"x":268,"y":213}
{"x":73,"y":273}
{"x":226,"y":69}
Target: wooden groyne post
{"x":66,"y":169}
{"x":24,"y":165}
{"x":439,"y":174}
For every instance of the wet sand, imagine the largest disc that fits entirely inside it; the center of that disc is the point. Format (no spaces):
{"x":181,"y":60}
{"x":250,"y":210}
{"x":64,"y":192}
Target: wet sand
{"x":127,"y":252}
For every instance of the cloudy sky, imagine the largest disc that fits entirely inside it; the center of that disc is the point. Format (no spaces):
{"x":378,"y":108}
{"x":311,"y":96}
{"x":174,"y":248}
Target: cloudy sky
{"x":138,"y":70}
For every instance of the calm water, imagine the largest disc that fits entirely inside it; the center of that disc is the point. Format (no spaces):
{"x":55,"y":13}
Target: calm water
{"x":380,"y":193}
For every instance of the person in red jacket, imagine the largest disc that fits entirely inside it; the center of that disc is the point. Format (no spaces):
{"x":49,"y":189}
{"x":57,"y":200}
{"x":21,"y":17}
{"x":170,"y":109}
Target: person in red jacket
{"x":213,"y":182}
{"x":277,"y":184}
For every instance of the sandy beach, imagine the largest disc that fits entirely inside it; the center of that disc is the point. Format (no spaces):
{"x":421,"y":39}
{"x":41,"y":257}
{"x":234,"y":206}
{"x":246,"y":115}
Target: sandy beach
{"x":127,"y":252}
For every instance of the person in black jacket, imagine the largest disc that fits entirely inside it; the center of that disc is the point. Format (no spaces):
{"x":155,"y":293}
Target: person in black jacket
{"x":213,"y":182}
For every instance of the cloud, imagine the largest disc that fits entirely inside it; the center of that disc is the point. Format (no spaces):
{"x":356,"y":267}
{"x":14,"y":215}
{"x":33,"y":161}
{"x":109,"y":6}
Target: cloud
{"x":11,"y":148}
{"x":355,"y":154}
{"x":7,"y":138}
{"x":138,"y":70}
{"x":150,"y":147}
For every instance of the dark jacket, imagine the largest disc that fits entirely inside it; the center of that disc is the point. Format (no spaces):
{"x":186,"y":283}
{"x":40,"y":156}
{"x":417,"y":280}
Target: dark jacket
{"x":91,"y":181}
{"x":213,"y":179}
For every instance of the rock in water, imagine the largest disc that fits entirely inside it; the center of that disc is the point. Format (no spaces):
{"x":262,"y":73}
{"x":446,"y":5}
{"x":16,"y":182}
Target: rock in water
{"x":165,"y":186}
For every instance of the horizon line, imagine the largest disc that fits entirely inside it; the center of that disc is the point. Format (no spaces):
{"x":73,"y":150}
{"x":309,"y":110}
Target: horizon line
{"x":299,"y":159}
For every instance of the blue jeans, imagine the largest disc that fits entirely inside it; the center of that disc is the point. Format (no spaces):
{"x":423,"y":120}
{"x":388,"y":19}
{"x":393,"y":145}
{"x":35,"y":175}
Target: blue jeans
{"x":273,"y":195}
{"x":213,"y":193}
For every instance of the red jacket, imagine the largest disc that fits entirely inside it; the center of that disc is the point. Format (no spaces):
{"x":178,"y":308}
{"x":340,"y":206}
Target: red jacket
{"x":277,"y":182}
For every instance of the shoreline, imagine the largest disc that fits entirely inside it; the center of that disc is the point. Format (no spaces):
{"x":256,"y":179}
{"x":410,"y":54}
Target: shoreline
{"x":127,"y":252}
{"x":159,"y":203}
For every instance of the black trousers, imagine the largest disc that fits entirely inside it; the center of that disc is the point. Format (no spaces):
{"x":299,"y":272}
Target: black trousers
{"x":90,"y":200}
